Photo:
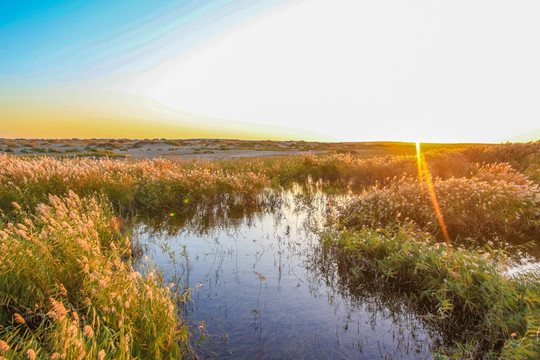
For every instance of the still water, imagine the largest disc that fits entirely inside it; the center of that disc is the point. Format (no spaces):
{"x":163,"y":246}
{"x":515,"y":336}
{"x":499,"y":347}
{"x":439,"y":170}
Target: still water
{"x":261,"y":289}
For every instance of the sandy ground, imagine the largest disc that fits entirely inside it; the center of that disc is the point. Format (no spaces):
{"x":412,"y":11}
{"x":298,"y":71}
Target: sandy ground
{"x":233,"y":154}
{"x":202,"y":149}
{"x":186,"y":150}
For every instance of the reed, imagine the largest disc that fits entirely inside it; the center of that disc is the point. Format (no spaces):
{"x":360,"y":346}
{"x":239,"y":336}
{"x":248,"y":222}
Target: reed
{"x":67,"y":290}
{"x":495,"y":204}
{"x":140,"y":186}
{"x":462,"y":291}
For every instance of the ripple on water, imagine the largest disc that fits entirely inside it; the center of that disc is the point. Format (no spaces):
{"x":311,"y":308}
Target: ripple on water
{"x":267,"y":293}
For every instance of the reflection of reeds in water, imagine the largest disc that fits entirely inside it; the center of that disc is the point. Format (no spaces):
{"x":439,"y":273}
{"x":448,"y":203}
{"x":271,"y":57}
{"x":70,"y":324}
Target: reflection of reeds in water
{"x":476,"y":310}
{"x":206,"y":218}
{"x":287,"y":248}
{"x":341,"y":271}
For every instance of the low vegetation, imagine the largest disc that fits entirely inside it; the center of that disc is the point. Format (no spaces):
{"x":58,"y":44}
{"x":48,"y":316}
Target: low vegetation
{"x":66,"y":291}
{"x":68,"y":288}
{"x":450,"y":284}
{"x":494,"y":204}
{"x":143,"y":186}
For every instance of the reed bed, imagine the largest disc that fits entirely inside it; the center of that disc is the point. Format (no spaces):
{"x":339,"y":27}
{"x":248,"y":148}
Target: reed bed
{"x":132,"y":186}
{"x":496,"y":204}
{"x":460,"y":291}
{"x":346,"y":172}
{"x":167,"y":186}
{"x":67,"y":291}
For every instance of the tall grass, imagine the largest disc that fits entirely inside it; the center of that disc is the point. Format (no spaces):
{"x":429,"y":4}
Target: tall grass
{"x":67,"y":291}
{"x":163,"y":185}
{"x":348,"y":172}
{"x":525,"y":157}
{"x":141,"y":186}
{"x":495,"y":204}
{"x":461,"y":291}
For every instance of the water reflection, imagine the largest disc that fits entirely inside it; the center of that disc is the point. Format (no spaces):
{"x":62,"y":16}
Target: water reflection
{"x":264,"y":289}
{"x":206,"y":219}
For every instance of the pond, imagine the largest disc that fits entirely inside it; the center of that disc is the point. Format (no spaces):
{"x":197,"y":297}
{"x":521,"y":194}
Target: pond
{"x":262,"y":290}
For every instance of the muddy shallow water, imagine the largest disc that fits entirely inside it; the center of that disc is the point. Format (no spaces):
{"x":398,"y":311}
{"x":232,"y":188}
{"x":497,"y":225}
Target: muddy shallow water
{"x":262,"y":290}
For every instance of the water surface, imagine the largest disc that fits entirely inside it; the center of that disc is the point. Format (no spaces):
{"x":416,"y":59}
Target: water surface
{"x":262,"y":290}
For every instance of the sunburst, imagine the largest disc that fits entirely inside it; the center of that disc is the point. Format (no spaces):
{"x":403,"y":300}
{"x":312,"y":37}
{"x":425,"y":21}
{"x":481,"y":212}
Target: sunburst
{"x":424,"y":177}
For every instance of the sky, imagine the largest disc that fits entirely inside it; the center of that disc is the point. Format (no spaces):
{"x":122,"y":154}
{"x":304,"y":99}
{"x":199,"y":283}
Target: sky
{"x":329,"y":70}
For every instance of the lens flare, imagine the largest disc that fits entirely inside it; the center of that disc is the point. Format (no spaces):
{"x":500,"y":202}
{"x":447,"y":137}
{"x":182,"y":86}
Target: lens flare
{"x":419,"y":165}
{"x":424,"y":177}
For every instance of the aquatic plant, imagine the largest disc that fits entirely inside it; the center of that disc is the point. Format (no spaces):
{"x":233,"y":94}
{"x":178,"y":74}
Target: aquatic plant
{"x":495,"y":204}
{"x":143,"y":186}
{"x":452,"y":284}
{"x":67,"y":286}
{"x":67,"y":291}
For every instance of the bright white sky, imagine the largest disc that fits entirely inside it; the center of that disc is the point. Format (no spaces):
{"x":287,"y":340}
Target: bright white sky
{"x":439,"y":71}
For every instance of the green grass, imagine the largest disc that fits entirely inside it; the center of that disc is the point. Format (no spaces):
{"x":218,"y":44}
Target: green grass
{"x":67,"y":289}
{"x":461,"y":291}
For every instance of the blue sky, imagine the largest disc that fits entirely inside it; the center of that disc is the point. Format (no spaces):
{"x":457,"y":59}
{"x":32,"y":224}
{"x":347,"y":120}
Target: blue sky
{"x":81,"y":38}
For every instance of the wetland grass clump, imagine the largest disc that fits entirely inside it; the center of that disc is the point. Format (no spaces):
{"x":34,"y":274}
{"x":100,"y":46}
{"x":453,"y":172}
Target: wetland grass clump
{"x":68,"y":290}
{"x":336,"y":172}
{"x":495,"y":204}
{"x":461,"y":291}
{"x":158,"y":185}
{"x":148,"y":186}
{"x":345,"y":171}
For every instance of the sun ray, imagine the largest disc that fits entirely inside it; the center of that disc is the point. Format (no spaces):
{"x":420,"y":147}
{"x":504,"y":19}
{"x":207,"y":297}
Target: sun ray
{"x":424,"y":177}
{"x":419,"y":165}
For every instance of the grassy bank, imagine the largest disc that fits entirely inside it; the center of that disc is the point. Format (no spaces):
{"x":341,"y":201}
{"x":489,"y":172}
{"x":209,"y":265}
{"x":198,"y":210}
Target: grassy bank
{"x":459,"y":291}
{"x":342,"y":172}
{"x":391,"y":231}
{"x":495,"y":204}
{"x":163,"y":185}
{"x":149,"y":186}
{"x":167,"y":186}
{"x":67,"y":291}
